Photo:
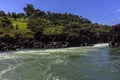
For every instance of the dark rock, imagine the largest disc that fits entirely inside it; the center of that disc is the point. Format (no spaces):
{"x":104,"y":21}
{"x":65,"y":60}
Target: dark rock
{"x":37,"y":45}
{"x":74,"y":39}
{"x":114,"y":36}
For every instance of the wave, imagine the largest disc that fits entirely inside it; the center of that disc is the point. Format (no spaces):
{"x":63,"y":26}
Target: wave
{"x":6,"y":56}
{"x":101,"y":45}
{"x":9,"y":55}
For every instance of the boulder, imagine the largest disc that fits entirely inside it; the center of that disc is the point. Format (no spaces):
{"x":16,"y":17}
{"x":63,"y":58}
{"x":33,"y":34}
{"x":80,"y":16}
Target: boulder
{"x":114,"y":36}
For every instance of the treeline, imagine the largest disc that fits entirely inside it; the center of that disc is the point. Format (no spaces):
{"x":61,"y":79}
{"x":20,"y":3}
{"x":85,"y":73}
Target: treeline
{"x":48,"y":28}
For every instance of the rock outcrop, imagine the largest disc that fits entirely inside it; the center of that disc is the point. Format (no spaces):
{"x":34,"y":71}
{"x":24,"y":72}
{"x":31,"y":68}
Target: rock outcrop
{"x":114,"y":36}
{"x":41,"y":41}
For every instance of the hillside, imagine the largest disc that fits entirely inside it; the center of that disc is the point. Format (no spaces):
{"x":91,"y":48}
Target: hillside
{"x":38,"y":29}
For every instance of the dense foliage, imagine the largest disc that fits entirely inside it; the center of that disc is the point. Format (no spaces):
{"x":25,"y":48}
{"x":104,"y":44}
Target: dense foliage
{"x":47,"y":22}
{"x":48,"y":28}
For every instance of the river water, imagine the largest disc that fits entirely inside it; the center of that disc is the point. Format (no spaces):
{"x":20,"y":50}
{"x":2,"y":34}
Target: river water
{"x":79,"y":63}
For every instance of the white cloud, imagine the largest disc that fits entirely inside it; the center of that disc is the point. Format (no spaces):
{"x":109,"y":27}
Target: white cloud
{"x":118,"y":10}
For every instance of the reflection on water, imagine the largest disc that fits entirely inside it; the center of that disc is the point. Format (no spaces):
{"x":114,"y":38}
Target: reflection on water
{"x":80,"y":63}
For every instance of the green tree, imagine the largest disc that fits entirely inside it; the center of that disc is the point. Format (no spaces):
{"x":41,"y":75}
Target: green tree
{"x":35,"y":24}
{"x":2,"y":13}
{"x":29,"y":9}
{"x":9,"y":14}
{"x":20,"y":15}
{"x":5,"y":23}
{"x":14,"y":15}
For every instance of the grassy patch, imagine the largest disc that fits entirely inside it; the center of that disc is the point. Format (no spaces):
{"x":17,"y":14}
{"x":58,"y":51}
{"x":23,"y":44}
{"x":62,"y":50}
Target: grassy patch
{"x":21,"y":25}
{"x":20,"y":22}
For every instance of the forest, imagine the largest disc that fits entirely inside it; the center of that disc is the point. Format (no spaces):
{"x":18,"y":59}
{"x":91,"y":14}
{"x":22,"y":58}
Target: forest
{"x":39,"y":29}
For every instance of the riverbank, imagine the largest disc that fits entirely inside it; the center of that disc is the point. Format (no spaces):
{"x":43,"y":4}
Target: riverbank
{"x":114,"y":36}
{"x":42,"y":41}
{"x":44,"y":50}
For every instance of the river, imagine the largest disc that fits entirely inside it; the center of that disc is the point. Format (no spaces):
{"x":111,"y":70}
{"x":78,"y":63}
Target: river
{"x":76,"y":63}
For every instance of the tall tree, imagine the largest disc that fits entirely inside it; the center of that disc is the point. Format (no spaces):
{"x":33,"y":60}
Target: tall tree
{"x":29,"y":9}
{"x":2,"y":13}
{"x":20,"y":15}
{"x":14,"y":15}
{"x":37,"y":13}
{"x":9,"y":14}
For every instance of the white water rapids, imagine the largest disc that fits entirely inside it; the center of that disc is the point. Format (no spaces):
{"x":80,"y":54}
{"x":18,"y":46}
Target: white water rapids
{"x":96,"y":62}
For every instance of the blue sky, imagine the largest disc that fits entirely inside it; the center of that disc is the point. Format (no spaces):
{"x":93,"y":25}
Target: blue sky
{"x":100,"y":11}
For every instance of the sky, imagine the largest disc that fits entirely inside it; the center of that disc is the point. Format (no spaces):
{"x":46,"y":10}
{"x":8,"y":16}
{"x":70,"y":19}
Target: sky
{"x":98,"y":11}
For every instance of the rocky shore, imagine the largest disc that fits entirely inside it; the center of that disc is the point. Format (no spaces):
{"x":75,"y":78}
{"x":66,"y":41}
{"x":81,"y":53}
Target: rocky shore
{"x":114,"y":36}
{"x":40,"y":41}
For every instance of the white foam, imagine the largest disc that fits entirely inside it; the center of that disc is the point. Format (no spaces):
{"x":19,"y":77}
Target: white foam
{"x":5,"y":56}
{"x":49,"y":51}
{"x":40,"y":52}
{"x":101,"y":45}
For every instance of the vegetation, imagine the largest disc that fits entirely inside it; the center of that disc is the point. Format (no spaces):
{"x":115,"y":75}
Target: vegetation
{"x":47,"y":27}
{"x":36,"y":20}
